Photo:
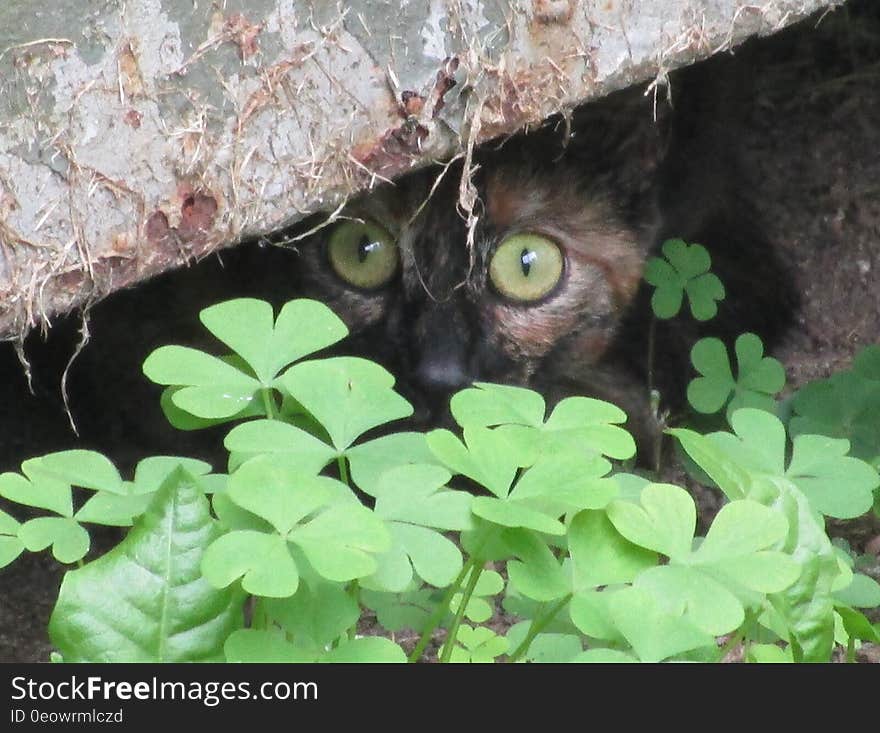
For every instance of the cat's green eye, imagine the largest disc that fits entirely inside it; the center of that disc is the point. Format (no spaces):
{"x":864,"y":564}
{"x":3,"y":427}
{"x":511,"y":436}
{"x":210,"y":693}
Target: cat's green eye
{"x":363,"y":254}
{"x":526,"y":267}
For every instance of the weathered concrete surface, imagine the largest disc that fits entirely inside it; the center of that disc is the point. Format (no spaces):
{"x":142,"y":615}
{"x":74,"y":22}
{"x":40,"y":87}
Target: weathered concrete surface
{"x":142,"y":134}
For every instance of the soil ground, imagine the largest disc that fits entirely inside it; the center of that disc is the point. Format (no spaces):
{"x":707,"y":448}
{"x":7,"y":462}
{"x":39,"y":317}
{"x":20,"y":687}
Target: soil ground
{"x":811,"y":148}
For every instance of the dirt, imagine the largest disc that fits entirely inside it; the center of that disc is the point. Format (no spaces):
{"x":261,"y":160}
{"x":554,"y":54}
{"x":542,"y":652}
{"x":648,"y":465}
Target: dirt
{"x":811,"y":148}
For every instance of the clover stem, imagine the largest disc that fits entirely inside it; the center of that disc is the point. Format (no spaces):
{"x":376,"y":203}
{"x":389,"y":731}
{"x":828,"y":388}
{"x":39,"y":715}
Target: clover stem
{"x":652,"y":328}
{"x":268,"y":403}
{"x":343,"y":470}
{"x":439,"y":612}
{"x":449,"y":644}
{"x":539,"y":623}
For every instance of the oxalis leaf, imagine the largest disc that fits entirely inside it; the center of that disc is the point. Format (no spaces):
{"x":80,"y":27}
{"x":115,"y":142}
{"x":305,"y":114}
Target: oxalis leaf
{"x":10,"y":545}
{"x":758,"y":378}
{"x":478,"y":645}
{"x":414,"y":503}
{"x":835,"y":484}
{"x":685,"y":270}
{"x":248,"y":327}
{"x":320,"y":515}
{"x":347,"y":395}
{"x":145,"y":600}
{"x":576,"y":423}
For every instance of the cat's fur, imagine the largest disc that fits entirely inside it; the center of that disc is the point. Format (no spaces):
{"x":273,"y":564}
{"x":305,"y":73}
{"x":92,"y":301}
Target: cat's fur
{"x":608,"y":188}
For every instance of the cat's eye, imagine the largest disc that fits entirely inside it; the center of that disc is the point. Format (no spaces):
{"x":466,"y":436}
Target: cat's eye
{"x":363,"y":254}
{"x":526,"y":267}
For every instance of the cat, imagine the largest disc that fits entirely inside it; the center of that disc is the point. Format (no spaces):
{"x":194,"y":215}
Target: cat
{"x":546,"y":291}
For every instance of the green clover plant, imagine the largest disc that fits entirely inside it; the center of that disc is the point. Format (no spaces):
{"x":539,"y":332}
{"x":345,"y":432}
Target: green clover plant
{"x":326,"y":515}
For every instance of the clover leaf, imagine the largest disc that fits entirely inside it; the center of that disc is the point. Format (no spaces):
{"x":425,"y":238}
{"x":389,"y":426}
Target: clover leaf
{"x":758,"y":379}
{"x":685,"y":270}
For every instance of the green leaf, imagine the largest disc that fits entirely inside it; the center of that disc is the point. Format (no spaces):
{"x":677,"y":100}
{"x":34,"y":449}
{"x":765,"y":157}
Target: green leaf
{"x":211,"y":388}
{"x":69,"y":541}
{"x":396,"y":612}
{"x":341,"y":542}
{"x":837,"y":485}
{"x":478,"y":645}
{"x":734,"y":480}
{"x":546,"y":648}
{"x":686,"y":593}
{"x":486,"y":456}
{"x":250,"y":646}
{"x":246,"y":326}
{"x":10,"y":545}
{"x":479,"y":610}
{"x":84,"y":468}
{"x":588,"y":424}
{"x":282,"y":441}
{"x":347,"y":395}
{"x":862,"y":592}
{"x":758,"y":377}
{"x":564,"y":482}
{"x":145,"y":600}
{"x":685,"y":269}
{"x":262,"y":561}
{"x":664,"y":522}
{"x":857,"y":626}
{"x":537,"y":574}
{"x":417,"y":494}
{"x":843,"y":406}
{"x":488,"y":405}
{"x":600,"y":555}
{"x":512,"y":514}
{"x":42,"y":492}
{"x":368,"y":461}
{"x":366,"y":650}
{"x":867,"y":362}
{"x":319,"y":612}
{"x":604,"y":656}
{"x":653,"y":632}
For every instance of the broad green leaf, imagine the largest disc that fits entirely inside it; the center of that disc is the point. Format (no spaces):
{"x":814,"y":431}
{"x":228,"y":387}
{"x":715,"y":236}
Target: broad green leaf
{"x":769,"y":654}
{"x":664,"y":521}
{"x":113,"y":509}
{"x":591,"y":613}
{"x":857,"y":625}
{"x":435,"y":558}
{"x":145,"y":600}
{"x":600,"y":555}
{"x":347,"y":395}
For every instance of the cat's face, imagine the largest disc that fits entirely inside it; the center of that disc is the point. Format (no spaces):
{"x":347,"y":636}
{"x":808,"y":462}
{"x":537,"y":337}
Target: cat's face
{"x":556,"y":258}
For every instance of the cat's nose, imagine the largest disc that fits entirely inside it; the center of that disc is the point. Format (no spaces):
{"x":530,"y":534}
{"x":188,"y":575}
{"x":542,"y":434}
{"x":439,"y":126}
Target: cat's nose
{"x":442,"y":373}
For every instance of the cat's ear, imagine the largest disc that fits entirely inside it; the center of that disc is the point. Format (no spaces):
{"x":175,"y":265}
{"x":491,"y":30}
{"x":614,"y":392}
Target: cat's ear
{"x":626,"y":136}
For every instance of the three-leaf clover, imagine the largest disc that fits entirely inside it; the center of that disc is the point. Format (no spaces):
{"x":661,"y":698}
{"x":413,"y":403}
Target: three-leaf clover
{"x":685,"y":270}
{"x":758,"y":377}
